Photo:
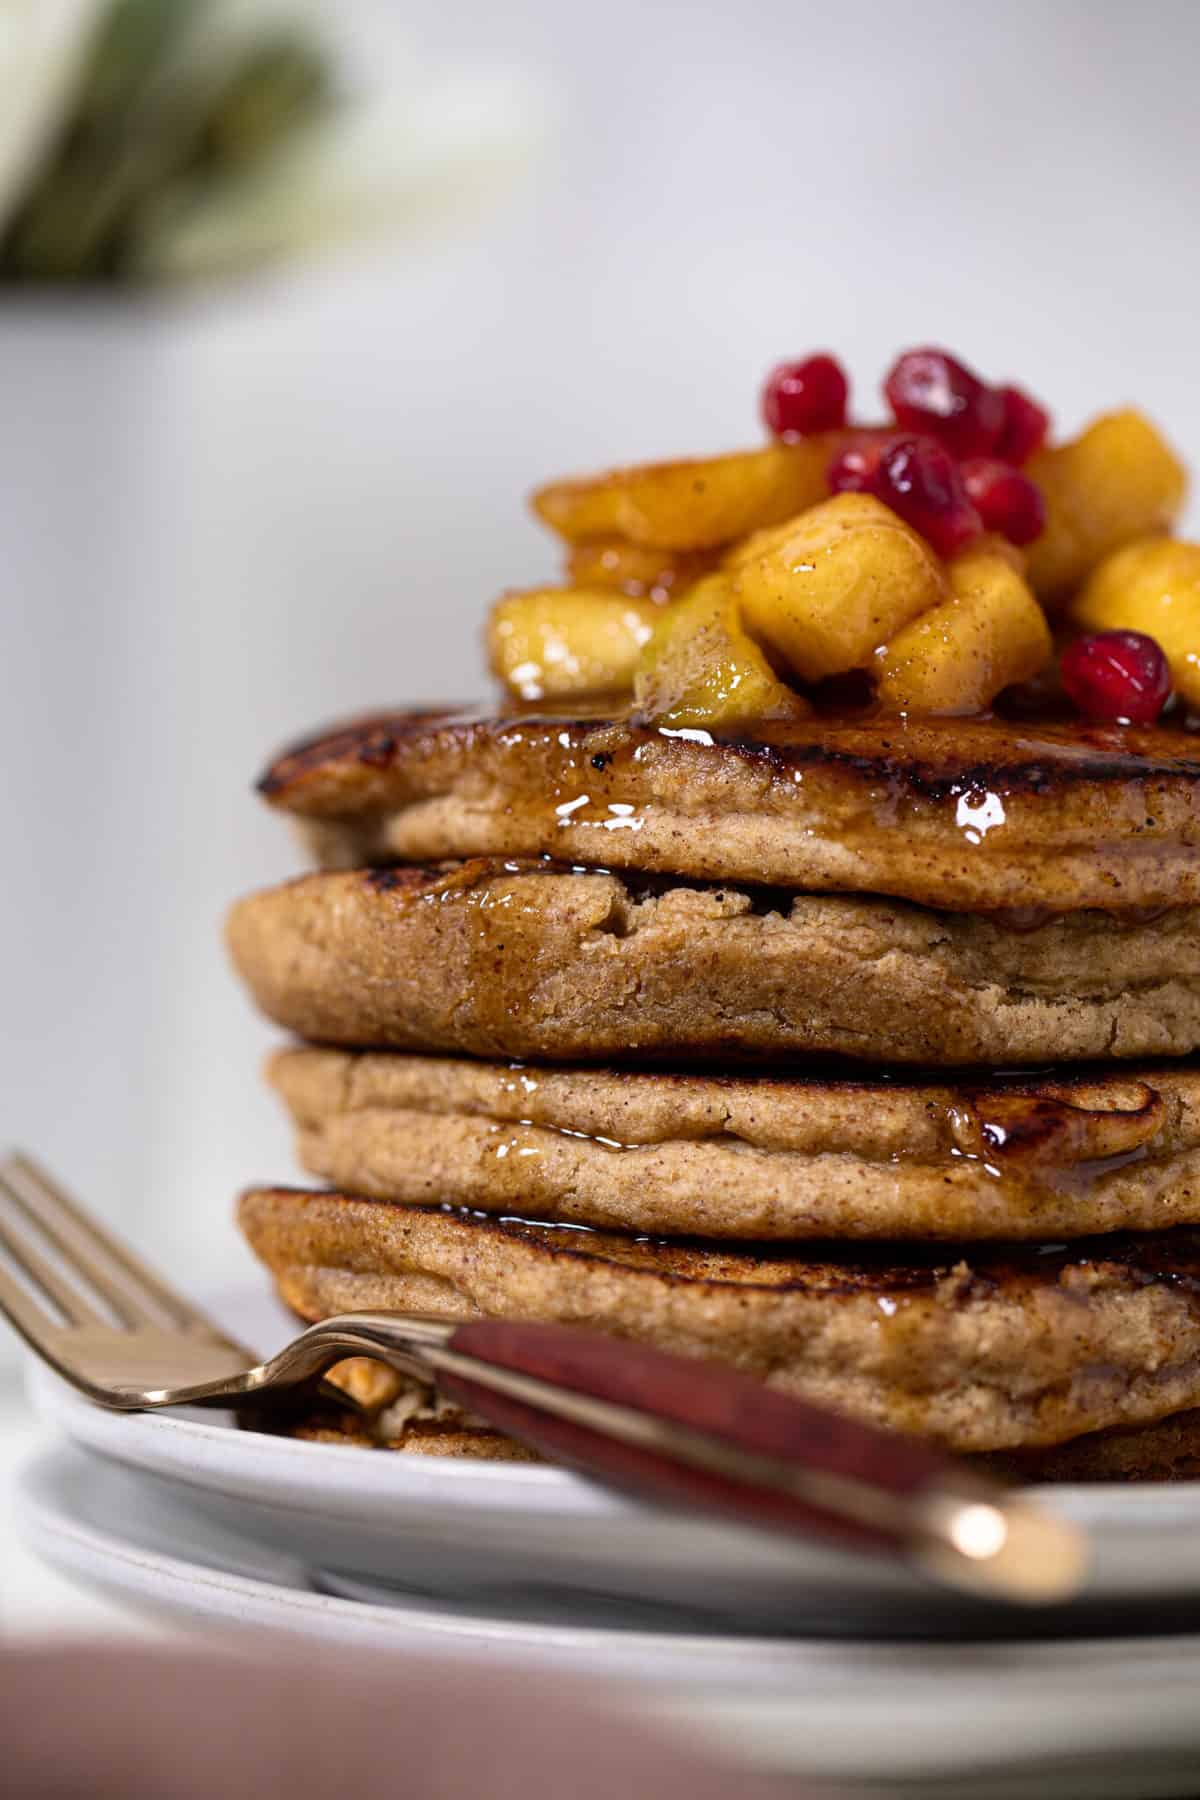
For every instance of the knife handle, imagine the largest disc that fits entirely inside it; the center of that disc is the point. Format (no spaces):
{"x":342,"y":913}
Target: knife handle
{"x":765,"y":1457}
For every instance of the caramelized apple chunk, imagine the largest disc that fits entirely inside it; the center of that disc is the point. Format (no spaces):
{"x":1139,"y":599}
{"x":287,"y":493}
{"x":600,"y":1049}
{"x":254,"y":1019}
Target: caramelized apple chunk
{"x":701,"y":670}
{"x":1120,"y":480}
{"x":1152,"y":587}
{"x":555,"y":643}
{"x":824,"y":590}
{"x":640,"y":570}
{"x":696,"y":505}
{"x":957,"y":657}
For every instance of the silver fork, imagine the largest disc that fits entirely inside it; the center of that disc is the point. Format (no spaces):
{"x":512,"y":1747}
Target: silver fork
{"x":665,"y":1427}
{"x":129,"y":1342}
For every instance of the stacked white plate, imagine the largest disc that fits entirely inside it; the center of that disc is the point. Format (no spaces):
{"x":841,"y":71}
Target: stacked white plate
{"x":788,"y":1655}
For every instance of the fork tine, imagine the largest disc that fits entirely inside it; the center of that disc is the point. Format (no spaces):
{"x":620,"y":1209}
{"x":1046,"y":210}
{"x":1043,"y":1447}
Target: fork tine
{"x":98,"y":1256}
{"x":75,"y":1309}
{"x":30,"y":1318}
{"x":124,"y":1309}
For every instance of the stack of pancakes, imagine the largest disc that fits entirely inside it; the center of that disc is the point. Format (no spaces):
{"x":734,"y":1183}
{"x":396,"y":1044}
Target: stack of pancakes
{"x":850,"y":1054}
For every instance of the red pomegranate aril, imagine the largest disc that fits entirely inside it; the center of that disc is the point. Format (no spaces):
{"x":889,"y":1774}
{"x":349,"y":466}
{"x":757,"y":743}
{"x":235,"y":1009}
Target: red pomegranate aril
{"x":800,"y":398}
{"x":855,"y":470}
{"x":1006,"y":500}
{"x":921,"y":482}
{"x":930,"y":391}
{"x":1117,"y":675}
{"x":1024,"y":430}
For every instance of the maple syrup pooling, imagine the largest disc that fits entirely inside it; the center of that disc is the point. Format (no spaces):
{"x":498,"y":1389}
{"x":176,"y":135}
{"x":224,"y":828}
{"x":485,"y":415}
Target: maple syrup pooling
{"x":984,"y":812}
{"x":978,"y":809}
{"x":1043,"y":748}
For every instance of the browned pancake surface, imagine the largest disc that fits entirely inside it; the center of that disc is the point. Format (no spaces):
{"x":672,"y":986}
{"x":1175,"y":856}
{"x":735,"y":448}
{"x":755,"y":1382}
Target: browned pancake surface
{"x":972,"y":814}
{"x":754,"y":1157}
{"x":978,"y":1347}
{"x":1168,"y":1450}
{"x":497,"y":959}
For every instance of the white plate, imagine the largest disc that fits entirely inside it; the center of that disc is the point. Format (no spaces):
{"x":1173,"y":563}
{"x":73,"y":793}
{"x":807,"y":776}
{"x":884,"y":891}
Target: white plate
{"x":448,"y":1524}
{"x":994,"y":1721}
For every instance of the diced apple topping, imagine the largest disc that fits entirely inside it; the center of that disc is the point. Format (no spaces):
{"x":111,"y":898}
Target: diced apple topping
{"x":639,"y":570}
{"x":692,"y":505}
{"x":1118,"y":481}
{"x":1153,"y":588}
{"x":919,"y":554}
{"x":701,"y":669}
{"x":824,"y":590}
{"x":989,"y":633}
{"x":560,"y":643}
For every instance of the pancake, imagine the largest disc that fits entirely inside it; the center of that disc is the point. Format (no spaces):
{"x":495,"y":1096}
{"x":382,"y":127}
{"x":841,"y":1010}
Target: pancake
{"x":980,"y":1349}
{"x":392,"y":1413}
{"x":419,"y":1439}
{"x":1168,"y":1450}
{"x":492,"y":959}
{"x":767,"y":1157}
{"x":400,"y":1417}
{"x":964,"y":814}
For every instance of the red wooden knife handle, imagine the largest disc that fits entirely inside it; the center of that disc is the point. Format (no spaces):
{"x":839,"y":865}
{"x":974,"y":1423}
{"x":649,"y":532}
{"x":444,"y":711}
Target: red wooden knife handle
{"x":706,"y":1397}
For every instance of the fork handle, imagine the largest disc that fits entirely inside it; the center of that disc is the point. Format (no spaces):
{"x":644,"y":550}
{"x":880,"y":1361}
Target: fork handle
{"x":765,"y":1457}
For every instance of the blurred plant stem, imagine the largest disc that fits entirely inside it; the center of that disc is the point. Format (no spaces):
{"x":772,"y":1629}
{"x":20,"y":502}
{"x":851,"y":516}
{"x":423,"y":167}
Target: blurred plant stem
{"x":157,"y":114}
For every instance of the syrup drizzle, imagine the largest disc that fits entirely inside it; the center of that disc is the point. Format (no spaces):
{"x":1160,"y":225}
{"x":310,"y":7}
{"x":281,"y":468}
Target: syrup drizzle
{"x":1038,"y":1139}
{"x":1068,"y":815}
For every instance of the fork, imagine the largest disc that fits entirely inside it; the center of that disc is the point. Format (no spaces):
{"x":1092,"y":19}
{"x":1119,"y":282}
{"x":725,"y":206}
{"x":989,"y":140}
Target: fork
{"x":665,"y":1428}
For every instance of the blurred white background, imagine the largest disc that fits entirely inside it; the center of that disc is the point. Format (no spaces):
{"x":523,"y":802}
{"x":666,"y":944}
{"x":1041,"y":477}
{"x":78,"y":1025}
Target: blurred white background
{"x":227,"y":523}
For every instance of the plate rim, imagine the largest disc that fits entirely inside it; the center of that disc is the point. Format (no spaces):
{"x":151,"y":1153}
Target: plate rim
{"x":49,"y":1463}
{"x":856,"y":1672}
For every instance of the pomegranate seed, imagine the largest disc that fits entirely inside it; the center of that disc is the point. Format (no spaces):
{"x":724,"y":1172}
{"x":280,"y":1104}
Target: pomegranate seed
{"x":856,"y":469}
{"x":930,"y":391}
{"x":1006,"y":500}
{"x":1024,"y":429}
{"x":1121,"y":675}
{"x":920,"y":480}
{"x":802,"y":397}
